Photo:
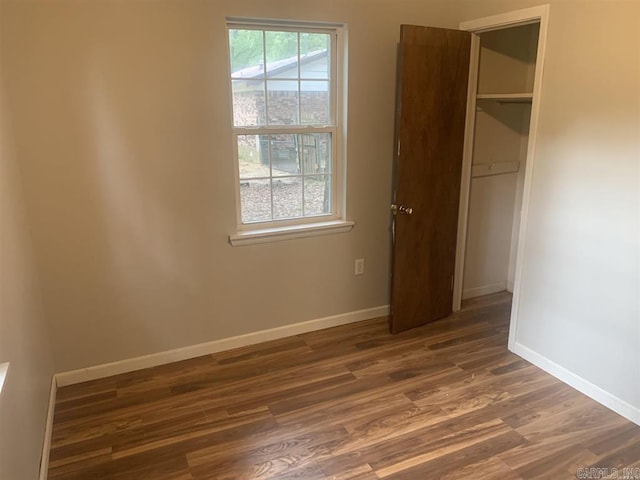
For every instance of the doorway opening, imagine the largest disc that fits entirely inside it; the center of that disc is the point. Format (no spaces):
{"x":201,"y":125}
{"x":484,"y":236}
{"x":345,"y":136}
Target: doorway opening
{"x":504,"y":92}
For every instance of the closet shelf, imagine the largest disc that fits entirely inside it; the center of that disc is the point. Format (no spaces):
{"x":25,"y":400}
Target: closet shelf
{"x":499,"y":168}
{"x":506,"y":97}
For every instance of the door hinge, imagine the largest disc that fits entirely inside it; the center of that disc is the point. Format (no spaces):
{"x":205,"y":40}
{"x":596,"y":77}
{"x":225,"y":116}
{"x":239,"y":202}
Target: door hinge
{"x":398,"y":148}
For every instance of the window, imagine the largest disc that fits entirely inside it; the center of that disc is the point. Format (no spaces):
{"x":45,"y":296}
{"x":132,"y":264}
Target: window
{"x":287,"y":121}
{"x":4,"y":367}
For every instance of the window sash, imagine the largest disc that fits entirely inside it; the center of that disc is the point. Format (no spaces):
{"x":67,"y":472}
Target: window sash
{"x":335,"y":45}
{"x":335,"y":173}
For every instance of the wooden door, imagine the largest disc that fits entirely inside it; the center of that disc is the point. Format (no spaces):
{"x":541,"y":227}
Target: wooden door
{"x":433,"y":71}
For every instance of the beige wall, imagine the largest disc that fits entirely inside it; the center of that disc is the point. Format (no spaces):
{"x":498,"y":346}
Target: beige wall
{"x":24,"y":340}
{"x":122,"y":118}
{"x":580,"y":304}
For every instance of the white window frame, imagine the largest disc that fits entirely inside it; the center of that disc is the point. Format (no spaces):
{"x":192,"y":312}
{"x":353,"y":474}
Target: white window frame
{"x":335,"y":222}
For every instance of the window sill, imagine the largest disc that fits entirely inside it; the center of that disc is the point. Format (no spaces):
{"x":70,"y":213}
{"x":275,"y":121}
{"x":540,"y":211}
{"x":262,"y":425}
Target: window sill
{"x":265,"y":235}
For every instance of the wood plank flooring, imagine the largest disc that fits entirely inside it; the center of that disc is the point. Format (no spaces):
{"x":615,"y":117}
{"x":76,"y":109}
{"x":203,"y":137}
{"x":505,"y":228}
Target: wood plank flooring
{"x":446,"y":400}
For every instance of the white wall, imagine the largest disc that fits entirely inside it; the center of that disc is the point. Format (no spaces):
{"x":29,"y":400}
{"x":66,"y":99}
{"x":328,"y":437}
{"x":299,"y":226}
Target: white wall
{"x":24,"y":340}
{"x":580,"y":301}
{"x":122,"y":120}
{"x":500,"y":130}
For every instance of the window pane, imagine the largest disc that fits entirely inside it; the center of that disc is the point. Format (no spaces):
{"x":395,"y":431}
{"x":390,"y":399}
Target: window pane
{"x":317,"y":195}
{"x":325,"y":153}
{"x":282,"y":102}
{"x":314,"y":55}
{"x":285,"y":158}
{"x":255,"y":198}
{"x":248,"y":103}
{"x":282,"y":54}
{"x":287,"y":197}
{"x":314,"y":103}
{"x":246,"y":51}
{"x":253,"y":156}
{"x":315,"y":152}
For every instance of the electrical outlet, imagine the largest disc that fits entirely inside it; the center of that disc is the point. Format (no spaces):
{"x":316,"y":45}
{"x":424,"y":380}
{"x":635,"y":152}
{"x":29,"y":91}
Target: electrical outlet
{"x":359,"y":266}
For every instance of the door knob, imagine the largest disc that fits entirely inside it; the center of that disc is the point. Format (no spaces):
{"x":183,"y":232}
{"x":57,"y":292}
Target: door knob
{"x":402,"y":209}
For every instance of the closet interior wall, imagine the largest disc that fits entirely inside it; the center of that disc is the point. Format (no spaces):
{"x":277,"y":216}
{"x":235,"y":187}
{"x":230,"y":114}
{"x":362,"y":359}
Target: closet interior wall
{"x":506,"y":74}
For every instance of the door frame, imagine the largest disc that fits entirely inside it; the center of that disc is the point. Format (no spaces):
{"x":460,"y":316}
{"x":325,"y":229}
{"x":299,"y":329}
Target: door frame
{"x":496,"y":22}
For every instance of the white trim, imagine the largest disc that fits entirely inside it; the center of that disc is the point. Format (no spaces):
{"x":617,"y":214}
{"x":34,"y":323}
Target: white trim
{"x":289,"y":222}
{"x":341,"y":55}
{"x":178,"y":354}
{"x":528,"y":173}
{"x":265,"y":235}
{"x":506,"y":20}
{"x":484,"y":290}
{"x":465,"y":181}
{"x":48,"y":431}
{"x":628,"y":411}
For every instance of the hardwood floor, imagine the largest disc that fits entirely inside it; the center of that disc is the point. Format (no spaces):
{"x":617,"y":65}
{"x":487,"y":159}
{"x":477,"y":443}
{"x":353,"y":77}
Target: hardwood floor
{"x":446,"y":400}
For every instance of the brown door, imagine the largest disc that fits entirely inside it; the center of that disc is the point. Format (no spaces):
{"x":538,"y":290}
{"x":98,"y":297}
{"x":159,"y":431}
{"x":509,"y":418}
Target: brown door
{"x":433,"y":71}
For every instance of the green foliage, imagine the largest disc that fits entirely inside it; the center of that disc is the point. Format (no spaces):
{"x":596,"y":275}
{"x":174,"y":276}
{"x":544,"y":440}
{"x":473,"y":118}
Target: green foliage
{"x":247,"y":47}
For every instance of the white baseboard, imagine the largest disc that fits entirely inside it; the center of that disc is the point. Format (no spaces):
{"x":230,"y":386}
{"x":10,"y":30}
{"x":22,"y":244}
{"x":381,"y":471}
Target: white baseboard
{"x":601,"y":396}
{"x":48,"y":431}
{"x":484,"y":290}
{"x":184,"y":353}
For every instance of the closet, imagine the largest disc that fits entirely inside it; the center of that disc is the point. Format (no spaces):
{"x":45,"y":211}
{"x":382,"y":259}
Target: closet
{"x":506,"y":67}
